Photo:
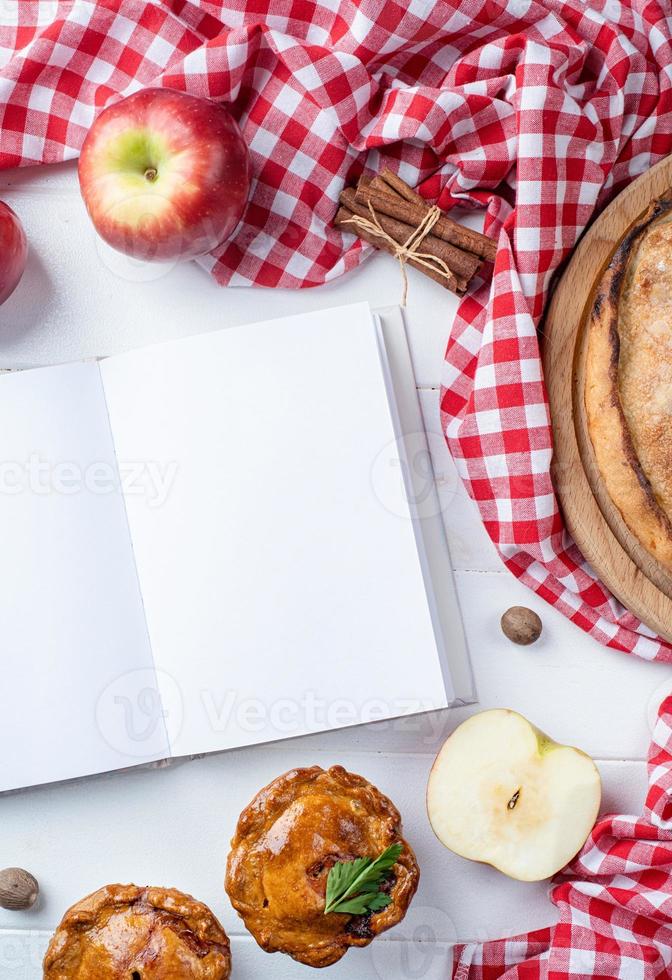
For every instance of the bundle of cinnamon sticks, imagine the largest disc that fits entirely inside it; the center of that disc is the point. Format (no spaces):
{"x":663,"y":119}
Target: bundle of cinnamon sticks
{"x":389,"y":214}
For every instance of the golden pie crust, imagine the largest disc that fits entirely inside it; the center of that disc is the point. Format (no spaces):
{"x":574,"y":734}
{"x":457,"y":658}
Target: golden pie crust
{"x":122,"y":932}
{"x":287,"y":840}
{"x":628,"y":380}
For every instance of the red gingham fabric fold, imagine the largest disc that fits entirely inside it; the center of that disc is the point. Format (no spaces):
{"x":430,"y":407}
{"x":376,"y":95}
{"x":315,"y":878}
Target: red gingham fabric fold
{"x":537,"y":110}
{"x":614,"y":899}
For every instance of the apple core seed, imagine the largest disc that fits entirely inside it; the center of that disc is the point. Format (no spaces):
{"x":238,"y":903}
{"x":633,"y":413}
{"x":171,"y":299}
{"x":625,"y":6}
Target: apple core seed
{"x":503,"y":793}
{"x":514,"y":799}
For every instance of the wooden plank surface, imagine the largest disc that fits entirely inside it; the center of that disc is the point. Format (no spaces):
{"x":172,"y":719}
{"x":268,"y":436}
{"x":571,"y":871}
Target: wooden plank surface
{"x":176,"y":824}
{"x":79,"y":298}
{"x":172,"y":826}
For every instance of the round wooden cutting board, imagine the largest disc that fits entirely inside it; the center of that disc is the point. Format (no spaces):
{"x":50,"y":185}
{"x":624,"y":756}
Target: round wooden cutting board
{"x":634,"y":577}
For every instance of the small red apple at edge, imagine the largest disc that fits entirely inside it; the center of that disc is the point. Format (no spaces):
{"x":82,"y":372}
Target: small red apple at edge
{"x":164,"y":175}
{"x":13,"y":251}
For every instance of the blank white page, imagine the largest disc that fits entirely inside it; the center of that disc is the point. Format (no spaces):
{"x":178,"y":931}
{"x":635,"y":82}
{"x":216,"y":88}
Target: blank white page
{"x":282,"y":595}
{"x":74,"y":638}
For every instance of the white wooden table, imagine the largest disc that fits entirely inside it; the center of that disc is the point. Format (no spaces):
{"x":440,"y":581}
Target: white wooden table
{"x":172,"y":826}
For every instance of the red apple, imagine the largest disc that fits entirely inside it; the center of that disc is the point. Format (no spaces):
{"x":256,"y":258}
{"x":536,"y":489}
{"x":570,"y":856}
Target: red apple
{"x":13,"y":251}
{"x":164,"y":175}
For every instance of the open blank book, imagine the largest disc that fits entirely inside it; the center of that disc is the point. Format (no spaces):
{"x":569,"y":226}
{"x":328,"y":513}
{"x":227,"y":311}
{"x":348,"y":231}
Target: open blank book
{"x":219,"y":541}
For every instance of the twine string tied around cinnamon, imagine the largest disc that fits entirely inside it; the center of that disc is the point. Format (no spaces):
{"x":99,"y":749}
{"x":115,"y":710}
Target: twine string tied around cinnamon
{"x":410,"y":249}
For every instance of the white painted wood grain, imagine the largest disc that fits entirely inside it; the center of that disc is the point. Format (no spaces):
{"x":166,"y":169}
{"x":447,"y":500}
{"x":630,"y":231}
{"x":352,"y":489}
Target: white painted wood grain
{"x":173,"y":826}
{"x":569,"y":686}
{"x":80,"y":299}
{"x":470,"y":544}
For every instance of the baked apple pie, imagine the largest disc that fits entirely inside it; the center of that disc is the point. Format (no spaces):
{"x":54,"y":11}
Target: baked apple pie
{"x":123,"y":932}
{"x":628,"y":381}
{"x":288,"y":840}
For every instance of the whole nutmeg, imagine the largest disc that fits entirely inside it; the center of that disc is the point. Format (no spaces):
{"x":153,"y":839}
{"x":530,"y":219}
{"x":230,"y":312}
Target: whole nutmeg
{"x":521,"y":625}
{"x":18,"y":889}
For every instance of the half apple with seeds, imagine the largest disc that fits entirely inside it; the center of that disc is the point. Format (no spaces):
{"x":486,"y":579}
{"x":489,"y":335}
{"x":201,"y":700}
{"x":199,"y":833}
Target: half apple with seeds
{"x":503,"y":793}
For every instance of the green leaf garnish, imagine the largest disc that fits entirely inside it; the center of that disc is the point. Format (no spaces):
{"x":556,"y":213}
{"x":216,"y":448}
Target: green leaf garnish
{"x":353,"y":887}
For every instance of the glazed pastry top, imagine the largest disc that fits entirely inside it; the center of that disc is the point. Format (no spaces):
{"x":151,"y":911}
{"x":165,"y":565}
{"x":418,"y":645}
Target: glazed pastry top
{"x":123,"y":932}
{"x":285,"y":844}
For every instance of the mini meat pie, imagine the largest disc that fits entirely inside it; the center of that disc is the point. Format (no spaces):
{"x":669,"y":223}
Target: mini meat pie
{"x":286,"y":842}
{"x":123,"y":932}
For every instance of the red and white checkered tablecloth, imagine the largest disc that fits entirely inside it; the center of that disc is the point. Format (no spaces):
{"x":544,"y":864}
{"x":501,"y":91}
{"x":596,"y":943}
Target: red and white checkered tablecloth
{"x":538,"y":110}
